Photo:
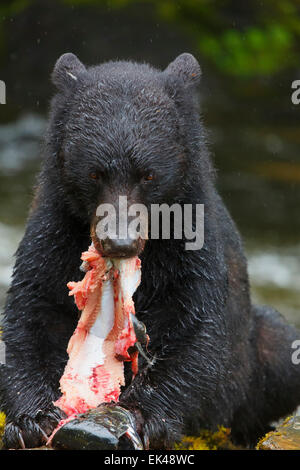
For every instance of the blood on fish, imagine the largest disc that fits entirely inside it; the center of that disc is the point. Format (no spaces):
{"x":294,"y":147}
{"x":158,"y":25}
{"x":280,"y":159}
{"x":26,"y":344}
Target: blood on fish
{"x":125,"y":340}
{"x":99,"y":378}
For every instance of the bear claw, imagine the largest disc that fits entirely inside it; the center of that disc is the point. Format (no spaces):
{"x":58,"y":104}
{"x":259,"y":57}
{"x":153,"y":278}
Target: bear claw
{"x":28,"y":432}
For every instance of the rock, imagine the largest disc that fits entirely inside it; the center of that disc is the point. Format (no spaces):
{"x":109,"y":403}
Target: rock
{"x":107,"y":427}
{"x":286,"y":436}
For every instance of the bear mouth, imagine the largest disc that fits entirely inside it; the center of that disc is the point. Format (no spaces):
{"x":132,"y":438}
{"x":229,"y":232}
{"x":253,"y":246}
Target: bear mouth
{"x":117,"y":248}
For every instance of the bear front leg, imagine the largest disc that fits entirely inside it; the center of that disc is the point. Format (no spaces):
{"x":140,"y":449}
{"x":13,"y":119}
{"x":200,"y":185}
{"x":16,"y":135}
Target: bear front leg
{"x":29,"y":382}
{"x":39,"y":319}
{"x":161,"y":396}
{"x":28,"y":405}
{"x":32,"y":428}
{"x":158,"y":410}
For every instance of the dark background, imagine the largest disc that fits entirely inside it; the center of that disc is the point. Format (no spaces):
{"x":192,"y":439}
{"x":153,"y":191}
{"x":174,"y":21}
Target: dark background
{"x":250,"y":55}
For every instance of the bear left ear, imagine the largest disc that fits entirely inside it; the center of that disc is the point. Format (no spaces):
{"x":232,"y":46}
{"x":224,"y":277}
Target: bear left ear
{"x":67,"y":70}
{"x":186,"y":67}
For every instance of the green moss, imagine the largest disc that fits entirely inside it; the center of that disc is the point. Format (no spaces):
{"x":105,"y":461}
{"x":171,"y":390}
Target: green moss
{"x":207,"y":440}
{"x":2,"y":424}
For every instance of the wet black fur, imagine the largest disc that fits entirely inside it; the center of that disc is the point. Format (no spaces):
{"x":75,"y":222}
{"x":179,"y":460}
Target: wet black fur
{"x":219,"y":359}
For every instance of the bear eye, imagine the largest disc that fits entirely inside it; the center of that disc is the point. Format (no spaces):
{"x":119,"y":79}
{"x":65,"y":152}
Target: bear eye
{"x":148,"y":177}
{"x":94,"y":175}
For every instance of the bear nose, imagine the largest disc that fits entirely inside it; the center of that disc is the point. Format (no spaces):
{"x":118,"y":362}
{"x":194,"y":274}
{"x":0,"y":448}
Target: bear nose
{"x":120,"y":248}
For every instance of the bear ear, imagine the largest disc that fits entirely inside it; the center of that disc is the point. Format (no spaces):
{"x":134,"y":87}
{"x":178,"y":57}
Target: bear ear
{"x":186,"y":67}
{"x":66,"y":71}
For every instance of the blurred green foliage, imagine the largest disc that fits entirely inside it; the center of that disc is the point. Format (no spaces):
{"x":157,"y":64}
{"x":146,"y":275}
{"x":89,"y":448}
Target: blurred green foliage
{"x":243,"y":39}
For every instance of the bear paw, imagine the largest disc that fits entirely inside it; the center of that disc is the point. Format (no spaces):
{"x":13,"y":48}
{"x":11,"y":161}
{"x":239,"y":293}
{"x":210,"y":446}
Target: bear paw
{"x":29,"y":432}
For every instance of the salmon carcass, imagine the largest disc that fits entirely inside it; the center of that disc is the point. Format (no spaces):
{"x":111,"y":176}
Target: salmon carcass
{"x":104,"y":335}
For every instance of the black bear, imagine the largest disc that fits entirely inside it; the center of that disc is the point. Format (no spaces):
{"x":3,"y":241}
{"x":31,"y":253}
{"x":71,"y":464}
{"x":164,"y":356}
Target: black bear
{"x":130,"y":129}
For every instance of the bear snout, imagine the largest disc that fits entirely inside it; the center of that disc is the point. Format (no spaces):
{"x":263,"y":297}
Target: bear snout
{"x":117,"y":247}
{"x":122,"y":248}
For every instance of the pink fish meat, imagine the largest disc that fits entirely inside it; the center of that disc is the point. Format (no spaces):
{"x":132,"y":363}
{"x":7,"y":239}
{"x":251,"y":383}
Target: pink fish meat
{"x":104,"y":335}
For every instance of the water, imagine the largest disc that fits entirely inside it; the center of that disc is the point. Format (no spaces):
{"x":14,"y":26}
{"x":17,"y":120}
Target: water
{"x":275,"y":278}
{"x":259,"y":177}
{"x":19,"y":159}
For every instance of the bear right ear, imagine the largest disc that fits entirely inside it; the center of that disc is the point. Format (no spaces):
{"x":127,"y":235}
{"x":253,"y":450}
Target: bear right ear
{"x":186,"y":67}
{"x":66,"y":71}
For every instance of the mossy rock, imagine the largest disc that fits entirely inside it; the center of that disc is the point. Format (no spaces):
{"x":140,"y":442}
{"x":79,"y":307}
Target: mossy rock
{"x":286,"y":436}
